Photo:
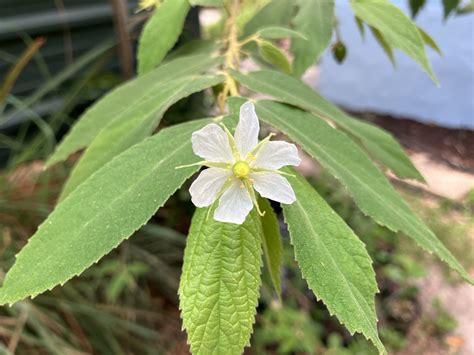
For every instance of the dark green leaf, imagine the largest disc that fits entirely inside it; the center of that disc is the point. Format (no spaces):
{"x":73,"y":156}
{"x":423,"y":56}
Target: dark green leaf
{"x":315,"y":20}
{"x":102,"y":212}
{"x":272,"y":243}
{"x":450,"y":6}
{"x":125,"y":100}
{"x":293,"y":91}
{"x":397,"y":29}
{"x":350,"y":165}
{"x":126,"y":130}
{"x":333,"y":260}
{"x":416,"y":6}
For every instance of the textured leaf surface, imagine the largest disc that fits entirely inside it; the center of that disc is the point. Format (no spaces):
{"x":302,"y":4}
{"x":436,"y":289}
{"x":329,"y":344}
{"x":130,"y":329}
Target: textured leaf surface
{"x":397,"y":29}
{"x":126,"y":99}
{"x":220,"y":283}
{"x":333,"y":260}
{"x":102,"y":212}
{"x":351,"y":166}
{"x":314,"y":19}
{"x":126,"y":130}
{"x":293,"y":91}
{"x":160,"y":33}
{"x":272,"y":243}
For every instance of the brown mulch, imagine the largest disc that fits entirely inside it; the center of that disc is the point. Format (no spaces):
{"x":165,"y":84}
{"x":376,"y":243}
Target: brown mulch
{"x":453,"y":147}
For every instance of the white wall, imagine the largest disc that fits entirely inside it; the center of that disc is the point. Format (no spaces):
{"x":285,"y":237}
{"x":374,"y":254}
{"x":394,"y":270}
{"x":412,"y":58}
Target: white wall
{"x":367,"y":80}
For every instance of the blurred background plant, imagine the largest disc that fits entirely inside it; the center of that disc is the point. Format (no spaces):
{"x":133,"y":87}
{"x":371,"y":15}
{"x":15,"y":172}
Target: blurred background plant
{"x":127,"y":303}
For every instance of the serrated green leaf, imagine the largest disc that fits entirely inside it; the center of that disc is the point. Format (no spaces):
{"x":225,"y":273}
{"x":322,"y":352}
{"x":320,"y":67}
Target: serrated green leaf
{"x":379,"y":143}
{"x":274,"y":56}
{"x":333,"y":260}
{"x":369,"y":188}
{"x":160,"y":33}
{"x":384,"y":44}
{"x":126,"y":130}
{"x":429,"y":41}
{"x":102,"y":212}
{"x":214,"y":3}
{"x":275,"y":32}
{"x":272,"y":243}
{"x":220,"y":283}
{"x":398,"y":30}
{"x":314,"y":19}
{"x":125,"y":99}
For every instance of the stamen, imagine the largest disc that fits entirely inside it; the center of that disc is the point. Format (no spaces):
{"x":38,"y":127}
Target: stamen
{"x":253,"y":153}
{"x":253,"y":197}
{"x":262,"y":170}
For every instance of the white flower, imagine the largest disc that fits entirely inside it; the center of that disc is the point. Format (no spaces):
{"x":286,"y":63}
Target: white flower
{"x":239,"y":164}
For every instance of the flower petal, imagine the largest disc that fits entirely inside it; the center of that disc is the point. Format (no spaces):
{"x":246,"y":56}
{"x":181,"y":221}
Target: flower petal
{"x":276,"y":154}
{"x":212,"y":144}
{"x":234,"y":205}
{"x":246,"y":132}
{"x":206,"y":187}
{"x":273,"y":186}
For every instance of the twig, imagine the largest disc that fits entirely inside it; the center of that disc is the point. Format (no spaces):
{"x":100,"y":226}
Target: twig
{"x":119,"y":8}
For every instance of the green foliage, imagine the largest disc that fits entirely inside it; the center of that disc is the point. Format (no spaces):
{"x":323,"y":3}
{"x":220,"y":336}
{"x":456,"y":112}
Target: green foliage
{"x":86,"y":226}
{"x":274,"y":56}
{"x":161,"y":33}
{"x":125,"y":176}
{"x":348,"y":163}
{"x":379,"y":37}
{"x":124,"y":100}
{"x":343,"y":277}
{"x":429,"y":41}
{"x":397,"y":29}
{"x":275,"y":13}
{"x":272,"y":244}
{"x":292,"y":91}
{"x":126,"y":130}
{"x":220,"y":283}
{"x":315,"y":21}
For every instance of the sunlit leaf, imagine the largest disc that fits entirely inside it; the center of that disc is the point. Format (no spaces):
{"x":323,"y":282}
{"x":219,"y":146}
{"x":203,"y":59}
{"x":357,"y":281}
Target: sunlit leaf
{"x":102,"y":212}
{"x":220,"y":283}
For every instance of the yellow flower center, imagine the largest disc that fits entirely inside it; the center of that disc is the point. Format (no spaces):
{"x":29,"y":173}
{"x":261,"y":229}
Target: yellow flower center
{"x":241,"y":170}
